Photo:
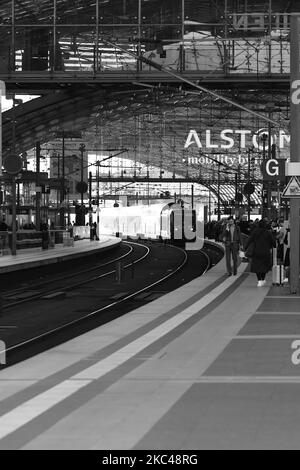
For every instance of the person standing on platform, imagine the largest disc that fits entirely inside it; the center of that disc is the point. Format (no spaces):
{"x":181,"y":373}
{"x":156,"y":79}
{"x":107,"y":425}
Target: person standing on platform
{"x":3,"y":226}
{"x":263,"y":241}
{"x":94,"y":235}
{"x":281,"y":232}
{"x":45,"y":235}
{"x":232,"y":239}
{"x":287,"y":258}
{"x":70,"y":230}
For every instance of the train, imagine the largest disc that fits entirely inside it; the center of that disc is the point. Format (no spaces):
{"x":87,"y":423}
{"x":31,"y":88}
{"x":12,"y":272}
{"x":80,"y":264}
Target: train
{"x":161,"y":222}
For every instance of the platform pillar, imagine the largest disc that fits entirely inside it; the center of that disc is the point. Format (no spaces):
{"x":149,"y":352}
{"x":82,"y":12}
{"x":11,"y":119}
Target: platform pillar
{"x":2,"y":94}
{"x":295,"y":149}
{"x":38,"y":189}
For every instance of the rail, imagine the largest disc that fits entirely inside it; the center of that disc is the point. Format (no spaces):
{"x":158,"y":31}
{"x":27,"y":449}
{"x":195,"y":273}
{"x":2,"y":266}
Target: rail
{"x":95,"y":313}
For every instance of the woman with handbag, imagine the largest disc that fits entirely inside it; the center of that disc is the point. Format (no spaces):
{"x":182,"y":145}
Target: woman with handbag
{"x":259,"y":248}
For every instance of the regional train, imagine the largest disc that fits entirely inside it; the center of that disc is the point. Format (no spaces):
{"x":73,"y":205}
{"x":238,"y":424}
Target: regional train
{"x":161,"y":222}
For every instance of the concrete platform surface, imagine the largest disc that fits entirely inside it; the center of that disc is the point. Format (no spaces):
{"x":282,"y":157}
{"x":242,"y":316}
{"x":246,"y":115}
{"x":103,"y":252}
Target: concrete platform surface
{"x":204,"y":367}
{"x":33,"y":257}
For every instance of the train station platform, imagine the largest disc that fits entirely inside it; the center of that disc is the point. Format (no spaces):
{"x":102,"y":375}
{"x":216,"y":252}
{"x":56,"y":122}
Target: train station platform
{"x":209,"y":366}
{"x":34,"y":257}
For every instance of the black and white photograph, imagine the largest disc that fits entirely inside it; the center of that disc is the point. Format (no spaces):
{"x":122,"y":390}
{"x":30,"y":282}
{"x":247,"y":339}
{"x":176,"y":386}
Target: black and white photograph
{"x":149,"y":228}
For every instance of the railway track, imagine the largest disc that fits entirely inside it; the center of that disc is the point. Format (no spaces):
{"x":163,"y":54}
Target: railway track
{"x":37,"y":285}
{"x":44,"y":328}
{"x":56,"y":282}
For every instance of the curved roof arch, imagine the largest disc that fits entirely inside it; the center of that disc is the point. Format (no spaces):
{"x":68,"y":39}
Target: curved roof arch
{"x":151,"y":123}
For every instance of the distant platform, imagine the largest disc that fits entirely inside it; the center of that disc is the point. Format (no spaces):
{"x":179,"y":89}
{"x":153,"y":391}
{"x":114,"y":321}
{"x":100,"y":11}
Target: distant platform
{"x":35,"y":257}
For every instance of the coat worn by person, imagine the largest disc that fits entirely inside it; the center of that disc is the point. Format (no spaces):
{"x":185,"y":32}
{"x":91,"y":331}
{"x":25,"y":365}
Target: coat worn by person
{"x":263,"y":243}
{"x":232,"y":240}
{"x":236,"y":238}
{"x":3,"y":226}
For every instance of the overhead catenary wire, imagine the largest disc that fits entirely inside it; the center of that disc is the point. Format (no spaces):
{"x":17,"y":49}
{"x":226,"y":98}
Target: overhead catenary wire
{"x":191,"y":83}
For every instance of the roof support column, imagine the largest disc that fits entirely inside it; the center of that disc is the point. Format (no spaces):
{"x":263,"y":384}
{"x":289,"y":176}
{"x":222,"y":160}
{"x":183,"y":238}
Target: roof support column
{"x":295,"y":149}
{"x":96,"y":63}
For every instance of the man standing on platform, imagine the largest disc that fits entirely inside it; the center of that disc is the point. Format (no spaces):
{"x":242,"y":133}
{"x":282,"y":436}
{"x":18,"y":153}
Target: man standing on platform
{"x":3,"y":225}
{"x":45,"y":235}
{"x":232,"y":239}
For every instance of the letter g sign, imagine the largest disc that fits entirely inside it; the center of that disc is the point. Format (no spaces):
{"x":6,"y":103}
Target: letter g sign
{"x":272,"y":168}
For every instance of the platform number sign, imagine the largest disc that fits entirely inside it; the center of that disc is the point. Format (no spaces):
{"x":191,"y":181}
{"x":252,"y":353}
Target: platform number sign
{"x":265,"y":197}
{"x":274,"y":170}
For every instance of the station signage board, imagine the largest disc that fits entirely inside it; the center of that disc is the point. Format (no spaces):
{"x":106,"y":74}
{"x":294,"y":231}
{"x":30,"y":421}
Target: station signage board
{"x":31,"y":177}
{"x":292,"y":169}
{"x":274,"y":170}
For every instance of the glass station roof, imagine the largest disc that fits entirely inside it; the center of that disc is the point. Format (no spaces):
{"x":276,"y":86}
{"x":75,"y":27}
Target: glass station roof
{"x":239,"y":57}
